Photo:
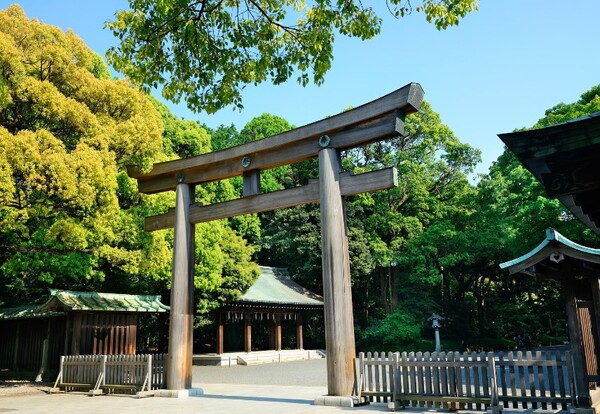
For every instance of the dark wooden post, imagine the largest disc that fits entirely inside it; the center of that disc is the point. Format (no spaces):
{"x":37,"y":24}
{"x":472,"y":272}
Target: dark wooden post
{"x":220,"y":333}
{"x":595,"y":287}
{"x":247,"y":332}
{"x":278,"y":340}
{"x":299,"y":333}
{"x":179,"y":363}
{"x":76,"y":335}
{"x":17,"y":347}
{"x":339,"y":321}
{"x":579,"y":366}
{"x":45,"y":349}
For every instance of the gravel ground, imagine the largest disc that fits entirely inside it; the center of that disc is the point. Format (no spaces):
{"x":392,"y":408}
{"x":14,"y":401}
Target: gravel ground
{"x":304,"y":373}
{"x":301,"y":373}
{"x":10,"y":388}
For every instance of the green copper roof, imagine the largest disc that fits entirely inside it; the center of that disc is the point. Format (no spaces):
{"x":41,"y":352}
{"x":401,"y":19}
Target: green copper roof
{"x":27,"y":312}
{"x":274,"y":286}
{"x":554,"y":247}
{"x":66,"y":300}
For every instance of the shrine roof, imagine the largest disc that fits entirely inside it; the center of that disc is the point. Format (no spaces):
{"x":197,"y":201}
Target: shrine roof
{"x":564,"y":158}
{"x":553,"y":250}
{"x":27,"y":312}
{"x":275,"y":287}
{"x":66,"y":300}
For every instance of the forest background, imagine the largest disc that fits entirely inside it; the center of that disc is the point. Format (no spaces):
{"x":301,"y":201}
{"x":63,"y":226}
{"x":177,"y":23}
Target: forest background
{"x":71,"y":218}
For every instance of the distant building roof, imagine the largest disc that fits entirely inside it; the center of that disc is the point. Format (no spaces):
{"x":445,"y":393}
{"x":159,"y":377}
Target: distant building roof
{"x":62,"y":301}
{"x":67,"y":300}
{"x":27,"y":312}
{"x":275,"y":287}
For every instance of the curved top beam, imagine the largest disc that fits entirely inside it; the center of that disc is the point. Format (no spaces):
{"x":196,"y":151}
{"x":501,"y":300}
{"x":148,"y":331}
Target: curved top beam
{"x":345,"y":131}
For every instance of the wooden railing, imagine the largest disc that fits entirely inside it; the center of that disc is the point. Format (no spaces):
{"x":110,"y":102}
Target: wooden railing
{"x":467,"y":380}
{"x":111,"y":373}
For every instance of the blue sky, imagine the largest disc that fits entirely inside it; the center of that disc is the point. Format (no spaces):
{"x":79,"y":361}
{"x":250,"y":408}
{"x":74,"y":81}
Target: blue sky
{"x":500,"y":69}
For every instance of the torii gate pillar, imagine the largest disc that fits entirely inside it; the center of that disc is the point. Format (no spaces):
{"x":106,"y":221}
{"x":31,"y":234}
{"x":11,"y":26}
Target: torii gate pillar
{"x":179,"y":360}
{"x":337,"y":294}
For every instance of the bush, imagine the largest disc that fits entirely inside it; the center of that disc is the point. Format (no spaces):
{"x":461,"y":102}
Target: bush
{"x":396,"y":332}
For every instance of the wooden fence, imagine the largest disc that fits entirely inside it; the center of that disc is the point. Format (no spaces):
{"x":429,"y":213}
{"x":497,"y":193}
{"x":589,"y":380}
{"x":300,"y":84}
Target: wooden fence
{"x":111,"y":373}
{"x":467,"y":380}
{"x":535,"y":380}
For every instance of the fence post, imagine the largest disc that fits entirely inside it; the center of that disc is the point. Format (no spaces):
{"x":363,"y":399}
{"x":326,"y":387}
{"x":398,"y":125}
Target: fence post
{"x":494,"y":400}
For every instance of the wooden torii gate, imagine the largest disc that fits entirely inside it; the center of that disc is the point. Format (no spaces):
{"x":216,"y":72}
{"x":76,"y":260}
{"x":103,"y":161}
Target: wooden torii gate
{"x":372,"y":122}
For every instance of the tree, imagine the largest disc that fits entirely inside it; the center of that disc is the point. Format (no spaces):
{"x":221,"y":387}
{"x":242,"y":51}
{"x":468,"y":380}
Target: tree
{"x":65,"y":131}
{"x":70,"y":217}
{"x":180,"y":137}
{"x":206,"y":52}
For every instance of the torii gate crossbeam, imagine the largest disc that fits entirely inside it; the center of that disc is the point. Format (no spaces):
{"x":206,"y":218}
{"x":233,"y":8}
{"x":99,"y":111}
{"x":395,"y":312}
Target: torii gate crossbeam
{"x":375,"y":121}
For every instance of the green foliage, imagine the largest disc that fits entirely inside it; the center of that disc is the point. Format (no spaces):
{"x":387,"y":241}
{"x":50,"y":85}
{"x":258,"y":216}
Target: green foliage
{"x":70,"y":217}
{"x":587,"y":104}
{"x":182,"y":138}
{"x":65,"y":130}
{"x":395,"y":333}
{"x":206,"y":52}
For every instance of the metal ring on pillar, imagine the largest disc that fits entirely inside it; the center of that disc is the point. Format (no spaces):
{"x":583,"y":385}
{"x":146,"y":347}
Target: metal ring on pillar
{"x":180,"y":177}
{"x":324,"y":141}
{"x":246,"y":161}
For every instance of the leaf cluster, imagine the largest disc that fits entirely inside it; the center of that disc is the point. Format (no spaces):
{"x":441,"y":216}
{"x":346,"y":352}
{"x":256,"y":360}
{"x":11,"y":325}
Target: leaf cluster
{"x":206,"y":52}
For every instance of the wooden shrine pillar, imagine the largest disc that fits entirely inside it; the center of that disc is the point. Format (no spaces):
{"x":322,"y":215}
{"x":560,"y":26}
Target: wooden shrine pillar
{"x":337,"y":295}
{"x":45,"y":350}
{"x":179,"y":360}
{"x":76,"y":335}
{"x":247,"y":332}
{"x":17,"y":344}
{"x":299,"y":333}
{"x":278,"y":339}
{"x":579,"y":366}
{"x":220,"y":334}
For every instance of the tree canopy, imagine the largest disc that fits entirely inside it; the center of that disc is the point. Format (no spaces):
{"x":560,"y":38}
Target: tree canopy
{"x":206,"y":52}
{"x":70,"y":217}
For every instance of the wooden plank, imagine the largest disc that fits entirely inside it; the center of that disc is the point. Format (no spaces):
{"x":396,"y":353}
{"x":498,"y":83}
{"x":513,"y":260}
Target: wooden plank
{"x":474,"y":391}
{"x":163,"y":176}
{"x":551,"y":372}
{"x":512,"y":379}
{"x":562,"y":389}
{"x":376,"y":374}
{"x":541,"y":375}
{"x":370,"y":374}
{"x":405,"y":389}
{"x":350,"y":184}
{"x":428,"y":373}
